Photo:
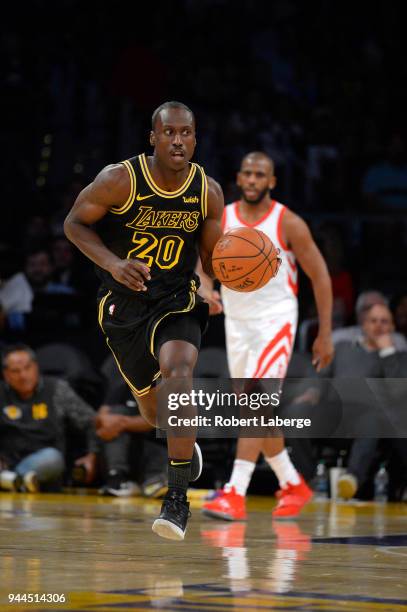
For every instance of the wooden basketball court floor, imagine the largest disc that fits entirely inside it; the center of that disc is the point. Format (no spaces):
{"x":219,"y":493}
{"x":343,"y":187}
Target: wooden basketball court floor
{"x":101,"y":555}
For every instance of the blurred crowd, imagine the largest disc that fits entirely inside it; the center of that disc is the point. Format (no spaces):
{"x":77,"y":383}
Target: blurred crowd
{"x":318,"y":89}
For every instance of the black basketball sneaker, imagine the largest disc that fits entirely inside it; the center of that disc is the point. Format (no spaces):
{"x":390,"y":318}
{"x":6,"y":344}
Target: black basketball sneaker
{"x":174,"y":515}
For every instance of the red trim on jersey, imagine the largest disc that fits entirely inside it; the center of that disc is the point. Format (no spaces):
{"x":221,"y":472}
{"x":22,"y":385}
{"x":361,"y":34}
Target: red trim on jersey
{"x":281,"y":351}
{"x":292,"y":265}
{"x":293,"y":285}
{"x":263,"y":218}
{"x":284,"y":332}
{"x":223,"y":221}
{"x":279,"y":228}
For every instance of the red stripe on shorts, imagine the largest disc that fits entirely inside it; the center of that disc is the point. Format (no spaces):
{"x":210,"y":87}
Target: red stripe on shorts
{"x":281,"y":351}
{"x":285,"y":331}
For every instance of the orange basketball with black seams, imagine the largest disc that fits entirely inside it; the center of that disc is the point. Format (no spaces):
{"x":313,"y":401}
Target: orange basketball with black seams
{"x":245,"y":259}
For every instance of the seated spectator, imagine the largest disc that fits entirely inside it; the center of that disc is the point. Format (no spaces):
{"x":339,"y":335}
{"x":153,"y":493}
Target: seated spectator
{"x":37,"y":305}
{"x":363,"y":304}
{"x":35,"y":412}
{"x":17,"y":294}
{"x":384,"y":185}
{"x":373,"y":355}
{"x":130,"y":452}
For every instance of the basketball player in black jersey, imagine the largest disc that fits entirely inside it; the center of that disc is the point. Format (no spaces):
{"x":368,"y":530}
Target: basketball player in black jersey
{"x":144,"y":222}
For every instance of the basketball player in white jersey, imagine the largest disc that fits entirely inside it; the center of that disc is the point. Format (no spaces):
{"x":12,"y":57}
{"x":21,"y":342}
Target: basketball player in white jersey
{"x":261,"y":327}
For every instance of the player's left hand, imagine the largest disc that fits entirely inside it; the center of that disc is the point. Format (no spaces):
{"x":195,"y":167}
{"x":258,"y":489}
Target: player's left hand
{"x":322,"y":351}
{"x":211,"y":297}
{"x":215,"y":303}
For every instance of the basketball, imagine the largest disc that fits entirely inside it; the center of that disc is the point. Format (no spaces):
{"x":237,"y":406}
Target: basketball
{"x":245,"y":259}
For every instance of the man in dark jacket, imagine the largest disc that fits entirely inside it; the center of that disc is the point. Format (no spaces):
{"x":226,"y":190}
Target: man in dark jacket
{"x":371,"y":407}
{"x":34,"y":413}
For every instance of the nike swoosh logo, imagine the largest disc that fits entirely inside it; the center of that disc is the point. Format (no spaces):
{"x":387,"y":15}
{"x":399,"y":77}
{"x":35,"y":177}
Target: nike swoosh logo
{"x":180,"y":463}
{"x":140,"y":197}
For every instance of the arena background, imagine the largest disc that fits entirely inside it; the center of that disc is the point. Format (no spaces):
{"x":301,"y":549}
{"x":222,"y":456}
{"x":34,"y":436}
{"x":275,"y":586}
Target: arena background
{"x":318,"y":86}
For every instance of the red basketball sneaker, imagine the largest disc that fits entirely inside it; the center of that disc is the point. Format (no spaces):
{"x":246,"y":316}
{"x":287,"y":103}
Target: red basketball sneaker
{"x":227,"y":505}
{"x":292,"y":499}
{"x":226,"y":535}
{"x":290,"y":537}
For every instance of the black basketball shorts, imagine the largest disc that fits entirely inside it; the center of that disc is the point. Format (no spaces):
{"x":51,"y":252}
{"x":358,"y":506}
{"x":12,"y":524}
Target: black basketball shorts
{"x":135,"y":329}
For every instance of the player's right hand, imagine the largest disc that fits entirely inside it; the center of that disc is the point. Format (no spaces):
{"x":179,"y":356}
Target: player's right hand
{"x":132,"y":273}
{"x":322,"y":351}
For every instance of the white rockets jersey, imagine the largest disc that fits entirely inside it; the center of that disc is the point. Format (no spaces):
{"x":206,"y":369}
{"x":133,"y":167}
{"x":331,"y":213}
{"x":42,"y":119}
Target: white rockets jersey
{"x":279,"y":295}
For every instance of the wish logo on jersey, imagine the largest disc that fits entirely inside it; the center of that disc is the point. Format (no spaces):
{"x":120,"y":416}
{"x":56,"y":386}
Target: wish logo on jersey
{"x":149,"y":218}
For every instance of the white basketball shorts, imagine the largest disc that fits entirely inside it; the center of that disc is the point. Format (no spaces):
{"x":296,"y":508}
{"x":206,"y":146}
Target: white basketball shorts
{"x":260,"y":348}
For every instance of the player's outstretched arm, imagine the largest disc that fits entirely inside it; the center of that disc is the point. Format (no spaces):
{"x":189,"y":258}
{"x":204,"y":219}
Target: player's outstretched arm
{"x":212,"y":226}
{"x":298,"y":236}
{"x":111,"y":188}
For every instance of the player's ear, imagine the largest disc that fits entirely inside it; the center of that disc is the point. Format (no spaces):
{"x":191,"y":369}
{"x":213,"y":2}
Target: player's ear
{"x":238,"y":179}
{"x":273,"y":182}
{"x":152,"y":138}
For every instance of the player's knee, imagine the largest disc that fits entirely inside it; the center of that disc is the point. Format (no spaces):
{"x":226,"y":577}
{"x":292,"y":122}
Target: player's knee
{"x":182,"y":369}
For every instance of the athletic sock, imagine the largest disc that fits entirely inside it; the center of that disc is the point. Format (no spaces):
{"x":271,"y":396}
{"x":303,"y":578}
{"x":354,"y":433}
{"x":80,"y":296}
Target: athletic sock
{"x":241,"y":476}
{"x":179,"y":474}
{"x":283,"y":468}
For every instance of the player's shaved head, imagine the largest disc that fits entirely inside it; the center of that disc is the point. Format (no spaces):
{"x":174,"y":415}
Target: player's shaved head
{"x":173,"y":135}
{"x":168,"y":106}
{"x":255,"y":156}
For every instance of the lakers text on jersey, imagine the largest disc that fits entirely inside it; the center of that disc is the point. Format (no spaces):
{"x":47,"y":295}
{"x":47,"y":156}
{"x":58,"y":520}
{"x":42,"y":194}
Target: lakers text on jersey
{"x":158,"y":227}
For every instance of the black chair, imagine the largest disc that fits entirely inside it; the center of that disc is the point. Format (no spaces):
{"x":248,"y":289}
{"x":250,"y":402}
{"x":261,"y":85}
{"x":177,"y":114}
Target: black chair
{"x":68,"y":362}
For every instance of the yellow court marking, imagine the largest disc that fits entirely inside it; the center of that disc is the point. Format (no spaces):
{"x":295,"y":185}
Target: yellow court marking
{"x":178,"y":598}
{"x":101,"y":554}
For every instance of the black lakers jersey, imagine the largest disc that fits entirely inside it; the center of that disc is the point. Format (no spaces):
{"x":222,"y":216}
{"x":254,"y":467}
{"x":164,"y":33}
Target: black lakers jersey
{"x":160,"y":228}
